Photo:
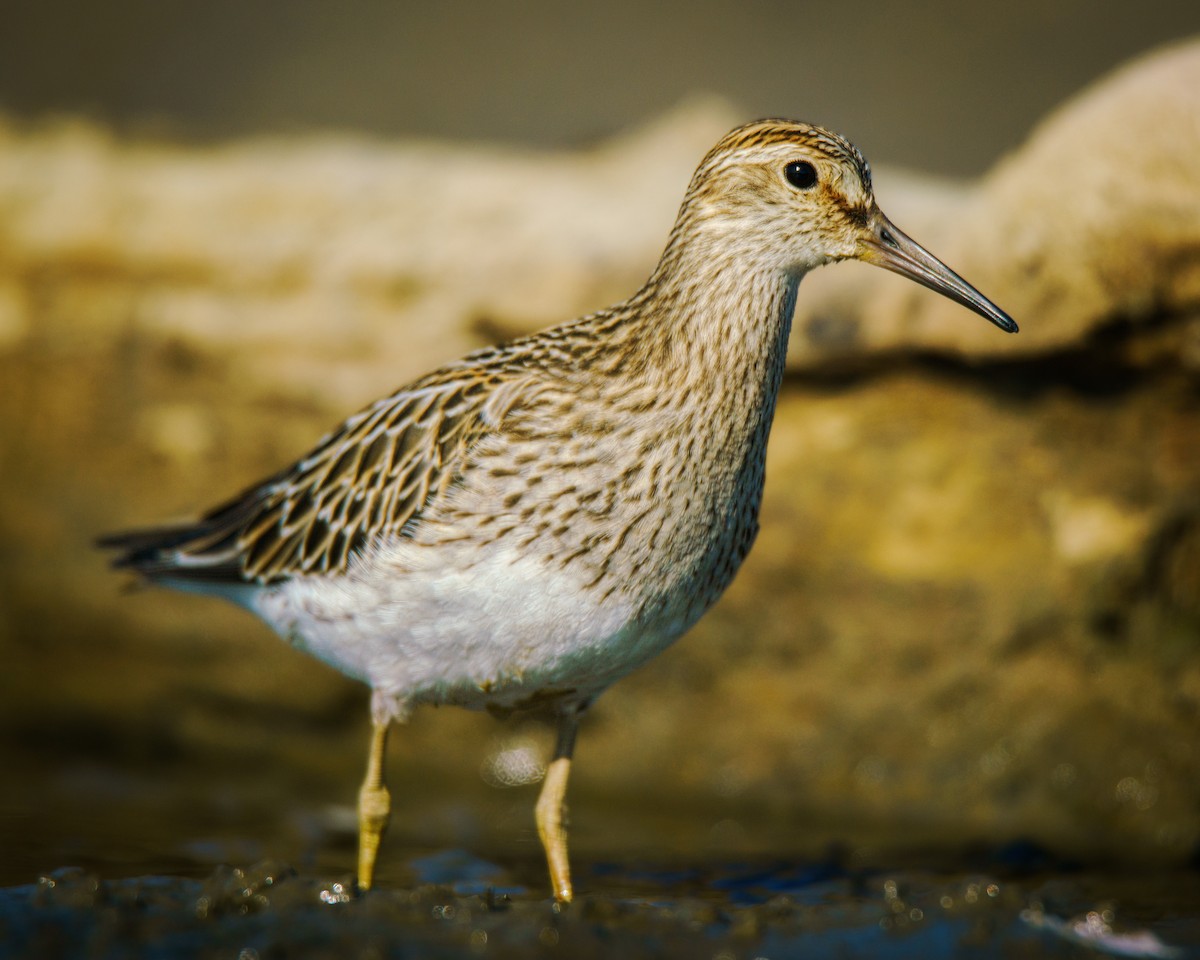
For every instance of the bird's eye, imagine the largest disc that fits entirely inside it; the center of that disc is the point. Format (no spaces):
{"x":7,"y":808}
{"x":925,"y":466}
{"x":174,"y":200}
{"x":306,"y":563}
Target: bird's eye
{"x":801,"y":174}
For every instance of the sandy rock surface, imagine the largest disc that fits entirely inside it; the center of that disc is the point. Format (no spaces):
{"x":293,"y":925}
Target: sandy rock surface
{"x":974,"y":609}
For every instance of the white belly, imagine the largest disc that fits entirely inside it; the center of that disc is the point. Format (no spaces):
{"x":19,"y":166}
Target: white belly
{"x":446,"y":625}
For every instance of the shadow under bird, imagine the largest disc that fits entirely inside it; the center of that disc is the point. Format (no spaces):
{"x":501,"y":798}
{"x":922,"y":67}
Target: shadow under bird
{"x":525,"y":526}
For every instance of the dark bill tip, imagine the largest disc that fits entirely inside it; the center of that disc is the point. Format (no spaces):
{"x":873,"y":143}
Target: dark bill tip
{"x":893,"y":250}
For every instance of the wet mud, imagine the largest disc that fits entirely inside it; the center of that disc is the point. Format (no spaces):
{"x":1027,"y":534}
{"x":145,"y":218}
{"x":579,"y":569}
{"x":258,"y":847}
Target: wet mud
{"x":460,"y":905}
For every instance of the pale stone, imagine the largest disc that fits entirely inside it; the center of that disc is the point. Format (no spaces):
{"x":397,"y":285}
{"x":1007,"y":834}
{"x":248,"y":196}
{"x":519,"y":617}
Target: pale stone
{"x":1091,"y":529}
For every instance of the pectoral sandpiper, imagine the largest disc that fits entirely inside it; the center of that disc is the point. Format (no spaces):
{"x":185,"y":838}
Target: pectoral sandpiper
{"x":525,"y":526}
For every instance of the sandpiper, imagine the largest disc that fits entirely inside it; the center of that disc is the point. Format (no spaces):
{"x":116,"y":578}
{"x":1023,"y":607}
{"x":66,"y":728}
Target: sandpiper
{"x":525,"y":526}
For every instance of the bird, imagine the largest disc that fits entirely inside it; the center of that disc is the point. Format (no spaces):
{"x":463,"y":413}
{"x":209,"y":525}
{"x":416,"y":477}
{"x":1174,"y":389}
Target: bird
{"x":521,"y":528}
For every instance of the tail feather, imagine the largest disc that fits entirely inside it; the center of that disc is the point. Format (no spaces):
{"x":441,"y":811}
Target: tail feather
{"x":162,"y":552}
{"x":207,"y":550}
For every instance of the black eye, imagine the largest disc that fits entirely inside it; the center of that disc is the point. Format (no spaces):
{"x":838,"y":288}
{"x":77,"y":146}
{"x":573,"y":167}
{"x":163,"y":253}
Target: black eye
{"x":801,"y":174}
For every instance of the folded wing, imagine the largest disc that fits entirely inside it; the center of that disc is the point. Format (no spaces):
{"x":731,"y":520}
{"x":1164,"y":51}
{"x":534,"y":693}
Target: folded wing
{"x":369,"y":479}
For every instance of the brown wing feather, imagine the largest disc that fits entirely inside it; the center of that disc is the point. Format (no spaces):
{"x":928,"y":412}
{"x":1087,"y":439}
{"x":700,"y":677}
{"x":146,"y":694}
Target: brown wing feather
{"x":368,"y":479}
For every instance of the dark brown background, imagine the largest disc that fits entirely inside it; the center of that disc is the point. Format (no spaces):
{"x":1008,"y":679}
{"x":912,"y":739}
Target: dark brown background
{"x":937,"y":85}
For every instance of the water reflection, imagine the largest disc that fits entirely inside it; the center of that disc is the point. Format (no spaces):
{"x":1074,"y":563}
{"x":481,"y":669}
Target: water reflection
{"x":463,"y":905}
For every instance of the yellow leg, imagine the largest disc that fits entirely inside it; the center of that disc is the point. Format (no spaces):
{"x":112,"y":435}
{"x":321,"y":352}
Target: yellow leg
{"x":550,"y":808}
{"x":374,"y":806}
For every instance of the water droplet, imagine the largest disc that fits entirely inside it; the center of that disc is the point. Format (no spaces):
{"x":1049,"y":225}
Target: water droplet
{"x":517,"y":762}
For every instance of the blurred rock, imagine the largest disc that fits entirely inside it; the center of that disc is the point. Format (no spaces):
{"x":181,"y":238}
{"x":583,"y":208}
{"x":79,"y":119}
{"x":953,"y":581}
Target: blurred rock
{"x":973,"y":611}
{"x":1096,"y":219}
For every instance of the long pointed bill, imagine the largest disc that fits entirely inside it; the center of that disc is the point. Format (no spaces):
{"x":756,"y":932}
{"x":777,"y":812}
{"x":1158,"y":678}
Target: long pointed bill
{"x":888,"y":247}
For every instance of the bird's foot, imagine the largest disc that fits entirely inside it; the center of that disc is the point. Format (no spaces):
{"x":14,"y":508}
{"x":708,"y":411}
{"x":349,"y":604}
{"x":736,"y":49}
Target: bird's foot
{"x":374,"y":811}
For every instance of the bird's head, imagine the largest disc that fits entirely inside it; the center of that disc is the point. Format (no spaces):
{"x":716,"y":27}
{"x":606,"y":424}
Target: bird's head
{"x":793,"y":196}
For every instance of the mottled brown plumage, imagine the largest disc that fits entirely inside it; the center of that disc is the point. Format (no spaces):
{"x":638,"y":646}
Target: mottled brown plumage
{"x":532,"y":522}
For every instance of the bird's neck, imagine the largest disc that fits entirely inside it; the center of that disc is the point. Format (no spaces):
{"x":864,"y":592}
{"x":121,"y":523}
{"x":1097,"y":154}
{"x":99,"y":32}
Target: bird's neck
{"x":711,"y":340}
{"x":718,"y":325}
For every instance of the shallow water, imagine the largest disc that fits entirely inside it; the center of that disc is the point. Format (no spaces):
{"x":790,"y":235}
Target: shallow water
{"x":104,"y":857}
{"x":460,"y":905}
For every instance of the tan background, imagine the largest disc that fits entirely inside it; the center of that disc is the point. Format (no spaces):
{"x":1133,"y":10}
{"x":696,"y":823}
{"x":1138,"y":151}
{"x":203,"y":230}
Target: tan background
{"x":972,"y":615}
